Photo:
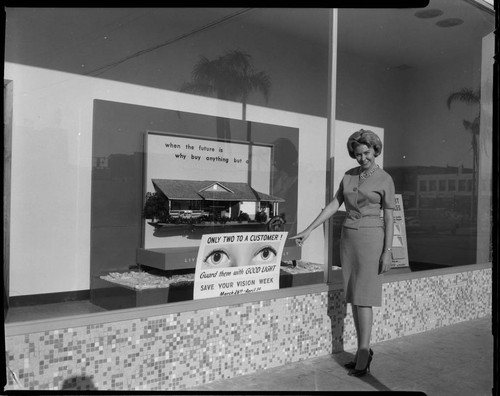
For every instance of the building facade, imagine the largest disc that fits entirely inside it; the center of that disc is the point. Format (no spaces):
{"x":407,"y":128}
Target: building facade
{"x":85,"y":87}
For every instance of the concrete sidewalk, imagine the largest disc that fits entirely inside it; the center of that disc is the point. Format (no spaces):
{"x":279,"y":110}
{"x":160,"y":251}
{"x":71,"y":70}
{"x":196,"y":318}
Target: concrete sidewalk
{"x":454,"y":360}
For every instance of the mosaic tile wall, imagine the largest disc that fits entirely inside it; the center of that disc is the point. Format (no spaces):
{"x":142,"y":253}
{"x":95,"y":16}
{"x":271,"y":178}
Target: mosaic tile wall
{"x":179,"y":351}
{"x":417,"y":305}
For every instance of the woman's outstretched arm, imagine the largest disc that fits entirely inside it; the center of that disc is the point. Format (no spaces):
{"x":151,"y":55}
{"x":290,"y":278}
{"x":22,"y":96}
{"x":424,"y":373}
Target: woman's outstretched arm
{"x":325,"y":214}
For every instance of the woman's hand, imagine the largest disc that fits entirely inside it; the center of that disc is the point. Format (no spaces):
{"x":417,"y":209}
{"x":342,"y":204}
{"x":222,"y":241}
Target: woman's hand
{"x":385,"y":261}
{"x":301,"y":237}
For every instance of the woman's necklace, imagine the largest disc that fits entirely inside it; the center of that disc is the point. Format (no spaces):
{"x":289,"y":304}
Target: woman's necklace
{"x":366,"y":174}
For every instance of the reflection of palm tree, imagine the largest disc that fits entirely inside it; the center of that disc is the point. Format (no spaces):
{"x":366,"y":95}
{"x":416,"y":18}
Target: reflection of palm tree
{"x":229,"y":77}
{"x":468,"y":96}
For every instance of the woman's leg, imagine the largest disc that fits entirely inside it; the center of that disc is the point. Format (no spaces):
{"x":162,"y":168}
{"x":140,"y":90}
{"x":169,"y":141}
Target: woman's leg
{"x":354,"y":309}
{"x":365,"y":321}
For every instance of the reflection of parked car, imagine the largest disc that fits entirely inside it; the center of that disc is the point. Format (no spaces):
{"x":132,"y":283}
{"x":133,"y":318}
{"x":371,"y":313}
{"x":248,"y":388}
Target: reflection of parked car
{"x":440,"y":219}
{"x":412,"y":224}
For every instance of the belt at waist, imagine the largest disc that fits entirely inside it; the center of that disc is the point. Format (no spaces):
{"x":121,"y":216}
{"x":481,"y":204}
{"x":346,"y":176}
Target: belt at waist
{"x":365,"y":221}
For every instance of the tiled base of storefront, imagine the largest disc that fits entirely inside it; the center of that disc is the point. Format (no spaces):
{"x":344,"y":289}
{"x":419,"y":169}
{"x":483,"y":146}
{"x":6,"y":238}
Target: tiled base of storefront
{"x":185,"y":350}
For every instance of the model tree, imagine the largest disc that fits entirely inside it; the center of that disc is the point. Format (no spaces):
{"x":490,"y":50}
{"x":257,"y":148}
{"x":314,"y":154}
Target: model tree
{"x":155,"y":207}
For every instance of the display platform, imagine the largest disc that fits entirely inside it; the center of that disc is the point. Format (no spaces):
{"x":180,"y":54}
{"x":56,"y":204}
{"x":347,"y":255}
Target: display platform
{"x":300,"y":279}
{"x":180,"y":258}
{"x":177,"y":258}
{"x":110,"y":295}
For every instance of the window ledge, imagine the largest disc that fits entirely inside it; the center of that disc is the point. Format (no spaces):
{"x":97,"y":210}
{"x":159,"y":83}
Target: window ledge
{"x":396,"y":275}
{"x":399,"y":274}
{"x":35,"y":326}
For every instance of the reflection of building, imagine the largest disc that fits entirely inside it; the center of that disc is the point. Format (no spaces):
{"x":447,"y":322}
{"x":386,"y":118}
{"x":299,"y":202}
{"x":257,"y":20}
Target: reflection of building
{"x":117,"y":166}
{"x":117,"y":182}
{"x":424,"y":187}
{"x":224,"y":199}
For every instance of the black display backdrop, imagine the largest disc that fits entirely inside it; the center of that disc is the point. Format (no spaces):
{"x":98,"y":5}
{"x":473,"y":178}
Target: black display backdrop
{"x":118,"y":184}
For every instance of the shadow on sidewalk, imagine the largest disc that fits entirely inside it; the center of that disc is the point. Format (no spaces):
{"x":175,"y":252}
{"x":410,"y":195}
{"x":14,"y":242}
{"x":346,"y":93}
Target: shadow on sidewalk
{"x":79,"y":383}
{"x":343,"y":357}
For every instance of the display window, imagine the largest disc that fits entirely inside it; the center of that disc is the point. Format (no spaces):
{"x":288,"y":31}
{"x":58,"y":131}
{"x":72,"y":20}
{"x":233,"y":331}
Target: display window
{"x":140,"y":162}
{"x":179,"y":184}
{"x":434,"y":103}
{"x":135,"y":138}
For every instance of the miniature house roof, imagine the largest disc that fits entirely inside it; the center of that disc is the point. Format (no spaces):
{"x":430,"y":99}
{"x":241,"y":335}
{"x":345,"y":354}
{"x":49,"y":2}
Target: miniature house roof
{"x":197,"y":190}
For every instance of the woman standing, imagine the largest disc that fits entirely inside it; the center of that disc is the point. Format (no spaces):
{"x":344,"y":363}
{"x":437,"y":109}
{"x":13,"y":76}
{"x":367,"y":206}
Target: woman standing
{"x":366,"y":239}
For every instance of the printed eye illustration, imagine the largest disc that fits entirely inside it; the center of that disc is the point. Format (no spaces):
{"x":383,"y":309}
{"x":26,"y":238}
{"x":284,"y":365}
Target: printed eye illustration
{"x":264,"y":255}
{"x":217,"y":258}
